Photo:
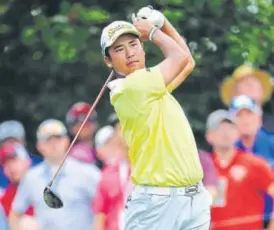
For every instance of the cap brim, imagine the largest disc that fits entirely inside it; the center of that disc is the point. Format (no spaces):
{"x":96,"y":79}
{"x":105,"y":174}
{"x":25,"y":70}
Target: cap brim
{"x":247,"y":108}
{"x":119,"y":34}
{"x":46,"y":137}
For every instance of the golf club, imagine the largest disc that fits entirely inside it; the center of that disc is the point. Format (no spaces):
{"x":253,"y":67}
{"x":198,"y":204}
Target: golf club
{"x":51,"y":198}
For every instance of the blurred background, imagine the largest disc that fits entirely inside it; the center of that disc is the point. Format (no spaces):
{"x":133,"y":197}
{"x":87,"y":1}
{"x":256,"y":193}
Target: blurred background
{"x":51,"y":61}
{"x":50,"y":53}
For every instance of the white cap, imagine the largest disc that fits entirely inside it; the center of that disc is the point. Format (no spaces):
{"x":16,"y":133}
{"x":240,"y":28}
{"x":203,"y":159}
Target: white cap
{"x":51,"y":127}
{"x":114,"y":30}
{"x":103,"y":135}
{"x":12,"y":129}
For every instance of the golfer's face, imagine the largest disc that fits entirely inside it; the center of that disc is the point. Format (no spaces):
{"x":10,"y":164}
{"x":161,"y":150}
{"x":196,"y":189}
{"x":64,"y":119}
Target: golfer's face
{"x":127,"y":54}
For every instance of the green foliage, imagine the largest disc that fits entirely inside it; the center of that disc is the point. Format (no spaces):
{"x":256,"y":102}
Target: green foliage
{"x":52,"y":56}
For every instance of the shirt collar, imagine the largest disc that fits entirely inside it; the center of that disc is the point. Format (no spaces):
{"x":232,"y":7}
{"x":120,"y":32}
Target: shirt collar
{"x":218,"y":163}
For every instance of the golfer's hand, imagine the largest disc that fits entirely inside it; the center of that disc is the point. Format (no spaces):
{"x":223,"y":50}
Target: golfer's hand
{"x":155,"y":16}
{"x":144,"y":26}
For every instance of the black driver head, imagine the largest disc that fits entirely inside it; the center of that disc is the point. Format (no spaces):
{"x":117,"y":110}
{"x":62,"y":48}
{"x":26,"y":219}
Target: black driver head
{"x":51,"y":199}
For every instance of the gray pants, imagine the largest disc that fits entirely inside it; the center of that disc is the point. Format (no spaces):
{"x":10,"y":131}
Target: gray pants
{"x":164,"y":208}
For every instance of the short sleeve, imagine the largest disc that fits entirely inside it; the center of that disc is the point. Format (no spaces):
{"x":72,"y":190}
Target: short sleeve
{"x":262,"y":175}
{"x":100,"y":203}
{"x":148,"y":81}
{"x":22,"y":199}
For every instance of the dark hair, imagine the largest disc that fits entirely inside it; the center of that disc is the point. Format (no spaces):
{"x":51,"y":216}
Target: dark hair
{"x":107,"y":52}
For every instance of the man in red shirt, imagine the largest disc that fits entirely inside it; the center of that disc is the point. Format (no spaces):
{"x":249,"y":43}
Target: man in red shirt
{"x":15,"y":161}
{"x":241,"y":178}
{"x":115,"y":185}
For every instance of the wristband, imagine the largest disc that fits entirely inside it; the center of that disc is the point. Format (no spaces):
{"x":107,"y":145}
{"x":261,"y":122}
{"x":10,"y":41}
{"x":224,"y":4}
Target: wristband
{"x":151,"y":32}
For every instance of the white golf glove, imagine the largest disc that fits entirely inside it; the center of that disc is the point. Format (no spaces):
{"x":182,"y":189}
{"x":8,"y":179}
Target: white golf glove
{"x":155,"y":16}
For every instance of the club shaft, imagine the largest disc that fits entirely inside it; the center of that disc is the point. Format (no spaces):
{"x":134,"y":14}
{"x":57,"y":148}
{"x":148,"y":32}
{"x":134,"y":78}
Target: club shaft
{"x":82,"y":125}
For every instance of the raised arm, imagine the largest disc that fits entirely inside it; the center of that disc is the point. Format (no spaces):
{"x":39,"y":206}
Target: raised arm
{"x":169,"y":30}
{"x":176,"y":58}
{"x":159,"y":20}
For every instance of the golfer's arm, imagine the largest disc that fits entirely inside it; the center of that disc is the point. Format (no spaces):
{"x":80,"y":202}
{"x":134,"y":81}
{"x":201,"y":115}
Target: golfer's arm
{"x":172,"y":32}
{"x":99,"y":222}
{"x":13,"y":220}
{"x":176,"y":58}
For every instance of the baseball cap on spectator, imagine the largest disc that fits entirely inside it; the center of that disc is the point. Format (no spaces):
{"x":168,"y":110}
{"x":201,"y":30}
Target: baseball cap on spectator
{"x":244,"y":102}
{"x":113,"y":119}
{"x":77,"y":113}
{"x":11,"y":152}
{"x":12,"y":129}
{"x":217,"y":117}
{"x":103,"y":135}
{"x":50,"y":128}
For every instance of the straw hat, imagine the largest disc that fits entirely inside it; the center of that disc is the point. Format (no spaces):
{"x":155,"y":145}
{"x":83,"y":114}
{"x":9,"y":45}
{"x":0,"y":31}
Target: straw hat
{"x":226,"y":89}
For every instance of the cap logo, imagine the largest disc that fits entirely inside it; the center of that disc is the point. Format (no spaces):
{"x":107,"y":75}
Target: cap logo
{"x":113,"y":30}
{"x":50,"y":129}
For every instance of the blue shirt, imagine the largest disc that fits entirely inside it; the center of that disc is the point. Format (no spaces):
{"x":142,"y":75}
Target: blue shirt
{"x":263,"y":147}
{"x":4,"y":181}
{"x":76,"y":185}
{"x":3,"y":219}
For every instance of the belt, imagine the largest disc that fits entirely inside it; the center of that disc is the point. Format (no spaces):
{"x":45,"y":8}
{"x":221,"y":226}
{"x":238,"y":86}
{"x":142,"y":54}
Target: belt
{"x":181,"y":191}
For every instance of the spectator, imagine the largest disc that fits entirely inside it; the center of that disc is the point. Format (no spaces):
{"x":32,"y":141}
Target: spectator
{"x":12,"y":132}
{"x":115,"y":123}
{"x":76,"y":184}
{"x":254,"y":83}
{"x":15,"y":161}
{"x":83,"y":149}
{"x":115,"y":184}
{"x":242,"y":178}
{"x":253,"y":139}
{"x":210,"y":176}
{"x":3,"y":220}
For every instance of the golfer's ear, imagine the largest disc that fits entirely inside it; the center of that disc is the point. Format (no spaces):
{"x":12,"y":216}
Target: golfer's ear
{"x":108,"y":61}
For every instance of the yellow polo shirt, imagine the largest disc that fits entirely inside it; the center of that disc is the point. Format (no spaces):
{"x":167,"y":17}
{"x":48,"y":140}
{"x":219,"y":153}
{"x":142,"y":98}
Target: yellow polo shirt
{"x":162,"y":148}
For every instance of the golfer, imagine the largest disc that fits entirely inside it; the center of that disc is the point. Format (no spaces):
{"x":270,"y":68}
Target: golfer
{"x":166,"y":170}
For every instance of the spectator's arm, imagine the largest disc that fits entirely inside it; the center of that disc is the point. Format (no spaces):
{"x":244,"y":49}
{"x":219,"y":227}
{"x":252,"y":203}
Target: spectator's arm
{"x":101,"y":205}
{"x":213,"y":191}
{"x":21,"y":202}
{"x":99,"y":221}
{"x":263,"y":177}
{"x":14,"y":220}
